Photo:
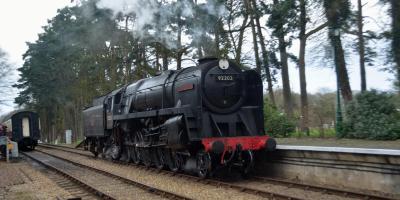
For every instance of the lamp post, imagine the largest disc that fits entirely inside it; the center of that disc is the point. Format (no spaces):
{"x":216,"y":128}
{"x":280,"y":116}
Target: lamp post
{"x":339,"y":118}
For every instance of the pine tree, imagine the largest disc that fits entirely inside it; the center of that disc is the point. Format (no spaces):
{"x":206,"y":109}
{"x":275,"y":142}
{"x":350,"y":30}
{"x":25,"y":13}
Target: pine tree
{"x":337,"y":12}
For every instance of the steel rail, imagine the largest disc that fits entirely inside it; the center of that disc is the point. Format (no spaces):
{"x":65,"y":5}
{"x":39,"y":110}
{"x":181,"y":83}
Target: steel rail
{"x":145,"y":187}
{"x":72,"y":178}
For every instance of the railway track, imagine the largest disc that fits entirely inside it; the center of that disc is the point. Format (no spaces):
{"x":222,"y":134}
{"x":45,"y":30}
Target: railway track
{"x":323,"y":189}
{"x":255,"y":184}
{"x":219,"y":184}
{"x":100,"y":183}
{"x":75,"y":189}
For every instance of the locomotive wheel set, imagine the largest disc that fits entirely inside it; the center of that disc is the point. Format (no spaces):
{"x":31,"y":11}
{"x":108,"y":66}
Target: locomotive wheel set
{"x":197,"y":119}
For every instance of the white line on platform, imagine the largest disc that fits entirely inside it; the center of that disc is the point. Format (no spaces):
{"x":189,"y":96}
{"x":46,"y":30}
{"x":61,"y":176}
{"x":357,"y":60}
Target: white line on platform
{"x":392,"y":152}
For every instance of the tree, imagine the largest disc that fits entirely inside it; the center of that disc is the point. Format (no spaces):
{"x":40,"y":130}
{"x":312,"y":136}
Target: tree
{"x":361,"y":45}
{"x":6,"y":74}
{"x":337,"y":12}
{"x":366,"y":53}
{"x":87,"y":51}
{"x":302,"y":68}
{"x":254,"y":34}
{"x":282,"y":20}
{"x":265,"y":60}
{"x":395,"y":35}
{"x":237,"y":9}
{"x":303,"y":35}
{"x":372,"y":115}
{"x":69,"y":64}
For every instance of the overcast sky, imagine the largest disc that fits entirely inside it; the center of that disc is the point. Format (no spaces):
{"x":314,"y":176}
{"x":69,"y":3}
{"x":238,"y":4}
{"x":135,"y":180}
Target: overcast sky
{"x":22,"y":20}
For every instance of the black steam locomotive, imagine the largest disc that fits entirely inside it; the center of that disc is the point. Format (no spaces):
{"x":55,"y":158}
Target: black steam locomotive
{"x":199,"y":119}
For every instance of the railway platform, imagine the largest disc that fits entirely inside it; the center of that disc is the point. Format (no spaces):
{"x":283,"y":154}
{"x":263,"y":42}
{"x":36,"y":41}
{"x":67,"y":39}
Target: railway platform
{"x":376,"y":170}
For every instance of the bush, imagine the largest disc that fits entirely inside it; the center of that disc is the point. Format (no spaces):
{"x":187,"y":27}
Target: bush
{"x":276,"y":123}
{"x":372,"y":115}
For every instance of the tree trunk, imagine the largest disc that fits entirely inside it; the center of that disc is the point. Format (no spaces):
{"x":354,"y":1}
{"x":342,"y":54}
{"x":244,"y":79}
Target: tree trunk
{"x":340,"y":64}
{"x":178,"y":54}
{"x":302,"y":69}
{"x":164,"y":60}
{"x":336,"y":16}
{"x":157,"y":63}
{"x":256,"y":53}
{"x":254,"y":34}
{"x":287,"y":95}
{"x":240,"y":39}
{"x":128,"y":60}
{"x":264,"y":55}
{"x":199,"y":50}
{"x":361,"y":46}
{"x":217,"y":37}
{"x":179,"y":61}
{"x":395,"y":5}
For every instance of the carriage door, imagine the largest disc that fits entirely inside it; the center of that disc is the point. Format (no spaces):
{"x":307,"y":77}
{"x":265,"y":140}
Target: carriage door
{"x":25,"y":127}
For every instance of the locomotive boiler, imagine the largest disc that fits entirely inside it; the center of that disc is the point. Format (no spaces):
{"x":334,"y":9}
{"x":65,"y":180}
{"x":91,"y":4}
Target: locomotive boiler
{"x":200,"y":118}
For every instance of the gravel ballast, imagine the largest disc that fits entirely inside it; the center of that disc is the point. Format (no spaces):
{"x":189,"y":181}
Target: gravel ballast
{"x":166,"y":182}
{"x":22,"y":181}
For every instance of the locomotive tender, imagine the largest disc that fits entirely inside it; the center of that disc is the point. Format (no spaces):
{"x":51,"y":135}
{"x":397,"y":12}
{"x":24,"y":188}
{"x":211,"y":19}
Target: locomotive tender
{"x":199,"y":119}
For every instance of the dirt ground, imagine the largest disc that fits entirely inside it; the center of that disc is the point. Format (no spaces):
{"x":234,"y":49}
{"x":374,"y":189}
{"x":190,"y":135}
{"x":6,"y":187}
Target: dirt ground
{"x":20,"y":180}
{"x":340,"y":142}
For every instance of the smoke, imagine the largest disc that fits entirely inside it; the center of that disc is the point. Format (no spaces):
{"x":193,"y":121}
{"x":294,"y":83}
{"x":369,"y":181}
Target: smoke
{"x":144,"y":10}
{"x":156,"y":20}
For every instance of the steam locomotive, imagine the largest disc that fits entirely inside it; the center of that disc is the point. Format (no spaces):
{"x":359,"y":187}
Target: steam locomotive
{"x":199,"y":119}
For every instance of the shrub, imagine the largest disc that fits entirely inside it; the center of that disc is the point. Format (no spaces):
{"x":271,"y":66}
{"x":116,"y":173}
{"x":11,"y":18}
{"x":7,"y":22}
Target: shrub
{"x":372,"y":115}
{"x":276,"y":123}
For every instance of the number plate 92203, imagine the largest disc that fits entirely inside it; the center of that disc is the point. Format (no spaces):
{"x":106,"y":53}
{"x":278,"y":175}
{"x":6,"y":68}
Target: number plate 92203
{"x":225,"y":78}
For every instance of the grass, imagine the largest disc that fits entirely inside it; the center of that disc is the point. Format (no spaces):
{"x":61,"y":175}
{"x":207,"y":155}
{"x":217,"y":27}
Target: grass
{"x":315,"y":133}
{"x":73,"y":144}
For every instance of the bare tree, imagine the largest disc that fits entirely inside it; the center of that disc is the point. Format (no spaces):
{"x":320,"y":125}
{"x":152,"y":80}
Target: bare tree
{"x":5,"y":78}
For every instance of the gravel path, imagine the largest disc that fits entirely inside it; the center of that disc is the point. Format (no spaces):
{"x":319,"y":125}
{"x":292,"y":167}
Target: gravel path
{"x":166,"y":182}
{"x":30,"y":184}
